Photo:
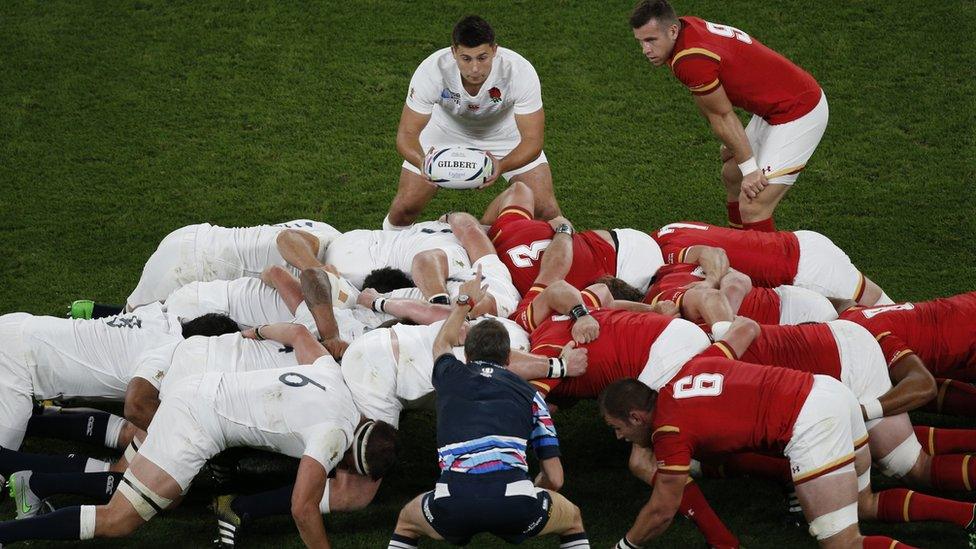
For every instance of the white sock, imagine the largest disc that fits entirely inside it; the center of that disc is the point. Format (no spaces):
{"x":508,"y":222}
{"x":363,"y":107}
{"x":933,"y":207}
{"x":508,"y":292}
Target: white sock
{"x":87,"y":526}
{"x":113,"y":430}
{"x":387,"y":226}
{"x":884,"y":300}
{"x":96,"y":466}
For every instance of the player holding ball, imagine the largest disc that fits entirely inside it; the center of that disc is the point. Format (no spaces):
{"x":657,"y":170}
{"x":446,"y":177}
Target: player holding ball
{"x":724,"y":67}
{"x":478,"y":95}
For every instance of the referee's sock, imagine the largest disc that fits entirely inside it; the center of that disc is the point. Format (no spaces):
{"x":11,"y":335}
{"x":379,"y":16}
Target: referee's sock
{"x":574,"y":541}
{"x":98,"y":486}
{"x":68,"y":523}
{"x":12,"y":461}
{"x":94,"y":426}
{"x":398,"y":541}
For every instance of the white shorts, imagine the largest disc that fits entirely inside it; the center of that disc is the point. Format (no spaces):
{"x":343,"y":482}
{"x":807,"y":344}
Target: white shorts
{"x":638,"y":258}
{"x":370,"y":373}
{"x":677,"y":344}
{"x":826,"y":269}
{"x":184,"y":433}
{"x":16,"y":385}
{"x":439,"y":137}
{"x":798,"y":305}
{"x":498,"y":283}
{"x":827,"y":431}
{"x":782,"y":150}
{"x":171,"y":266}
{"x":863,"y":369}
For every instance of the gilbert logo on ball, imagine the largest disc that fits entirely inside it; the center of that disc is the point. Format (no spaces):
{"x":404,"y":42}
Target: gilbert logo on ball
{"x":458,"y":167}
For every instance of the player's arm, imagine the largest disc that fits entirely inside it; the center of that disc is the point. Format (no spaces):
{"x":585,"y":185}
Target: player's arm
{"x":725,"y":124}
{"x":318,"y":296}
{"x":286,"y":284}
{"x":739,"y":336}
{"x":307,"y":348}
{"x":532,"y":128}
{"x":299,"y":248}
{"x":550,"y":474}
{"x":571,"y":362}
{"x":450,"y":333}
{"x":414,"y":310}
{"x":655,"y":517}
{"x":735,"y":286}
{"x":841,"y":305}
{"x":708,"y":304}
{"x":713,"y":261}
{"x":408,"y":136}
{"x":305,"y":498}
{"x":913,"y":387}
{"x":141,"y":402}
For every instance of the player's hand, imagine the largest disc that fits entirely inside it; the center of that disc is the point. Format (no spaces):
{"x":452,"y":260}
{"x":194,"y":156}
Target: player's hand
{"x":423,"y":169}
{"x":495,"y":170}
{"x":473,"y":288}
{"x":336,"y":347}
{"x":667,"y":308}
{"x":266,"y":275}
{"x":576,"y":359}
{"x":725,"y":153}
{"x":753,"y":184}
{"x":249,"y":333}
{"x":367,"y":297}
{"x":559,"y":220}
{"x":586,"y":329}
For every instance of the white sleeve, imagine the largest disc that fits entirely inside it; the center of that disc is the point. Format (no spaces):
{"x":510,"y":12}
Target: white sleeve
{"x":153,"y":364}
{"x":326,"y":444}
{"x":425,"y":88}
{"x":528,"y":90}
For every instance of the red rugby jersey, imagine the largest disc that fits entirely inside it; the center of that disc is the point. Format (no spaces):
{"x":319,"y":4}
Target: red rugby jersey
{"x":621,"y":351}
{"x":760,"y":304}
{"x":717,"y":405}
{"x":521,"y":242}
{"x":942,"y":332}
{"x":770,"y":259}
{"x":755,"y":78}
{"x":806,"y":347}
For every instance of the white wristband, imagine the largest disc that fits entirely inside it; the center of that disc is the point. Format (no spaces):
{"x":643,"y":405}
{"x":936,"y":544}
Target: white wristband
{"x":557,"y":368}
{"x":873,"y":409}
{"x":378,"y":305}
{"x":625,"y":543}
{"x":748,"y":166}
{"x":719,"y":329}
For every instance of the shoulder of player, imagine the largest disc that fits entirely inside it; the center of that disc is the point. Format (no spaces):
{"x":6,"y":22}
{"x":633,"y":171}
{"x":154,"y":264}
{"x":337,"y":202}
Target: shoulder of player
{"x":512,"y":57}
{"x":695,"y":43}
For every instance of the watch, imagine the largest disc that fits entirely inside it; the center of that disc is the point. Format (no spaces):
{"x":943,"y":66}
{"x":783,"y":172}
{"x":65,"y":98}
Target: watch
{"x":564,"y":228}
{"x":464,"y":300}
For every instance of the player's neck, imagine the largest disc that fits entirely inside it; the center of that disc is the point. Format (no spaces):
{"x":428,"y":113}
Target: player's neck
{"x":472,"y":89}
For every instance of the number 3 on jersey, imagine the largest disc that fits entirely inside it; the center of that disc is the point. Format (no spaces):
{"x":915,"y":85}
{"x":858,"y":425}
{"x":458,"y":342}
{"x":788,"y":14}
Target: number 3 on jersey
{"x":728,"y":32}
{"x":700,"y":385}
{"x":524,"y":256}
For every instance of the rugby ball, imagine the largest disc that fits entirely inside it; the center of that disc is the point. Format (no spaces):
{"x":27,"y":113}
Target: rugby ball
{"x":458,"y":167}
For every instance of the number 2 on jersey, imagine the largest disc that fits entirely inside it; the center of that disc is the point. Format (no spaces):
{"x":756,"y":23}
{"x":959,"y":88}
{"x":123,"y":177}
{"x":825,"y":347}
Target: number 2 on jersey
{"x":700,"y":385}
{"x":728,"y":32}
{"x":524,"y":256}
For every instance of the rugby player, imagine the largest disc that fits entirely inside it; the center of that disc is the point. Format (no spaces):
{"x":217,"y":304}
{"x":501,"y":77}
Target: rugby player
{"x":473,"y":94}
{"x":724,"y":67}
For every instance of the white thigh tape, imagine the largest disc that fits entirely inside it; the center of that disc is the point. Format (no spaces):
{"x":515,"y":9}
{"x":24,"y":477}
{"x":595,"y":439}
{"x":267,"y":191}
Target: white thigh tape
{"x":131,"y":450}
{"x":900,"y":461}
{"x":146,"y":502}
{"x":87,"y":527}
{"x":864,"y":480}
{"x":832,"y":523}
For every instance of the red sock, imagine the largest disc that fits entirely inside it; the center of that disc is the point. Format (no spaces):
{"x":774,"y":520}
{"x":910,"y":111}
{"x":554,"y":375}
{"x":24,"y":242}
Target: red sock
{"x":956,"y":398}
{"x":750,"y":465}
{"x":766,"y":225}
{"x":882,"y":542}
{"x":893,"y":507}
{"x":954,"y":472}
{"x":735,"y":218}
{"x":694,"y":506}
{"x":946,"y":441}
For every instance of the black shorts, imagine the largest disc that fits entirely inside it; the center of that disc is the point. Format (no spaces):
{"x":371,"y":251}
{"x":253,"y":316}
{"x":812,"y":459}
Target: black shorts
{"x":504,"y":504}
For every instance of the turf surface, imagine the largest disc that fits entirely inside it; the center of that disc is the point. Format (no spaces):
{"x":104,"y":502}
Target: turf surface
{"x":121,"y":121}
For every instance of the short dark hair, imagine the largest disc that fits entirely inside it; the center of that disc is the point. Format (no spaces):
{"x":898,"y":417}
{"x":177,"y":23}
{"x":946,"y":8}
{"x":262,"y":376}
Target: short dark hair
{"x":645,"y":10}
{"x":623,"y":396}
{"x":387,"y":279}
{"x":488,"y":340}
{"x":620,"y":289}
{"x":472,"y":31}
{"x":382,"y":450}
{"x":210,"y":325}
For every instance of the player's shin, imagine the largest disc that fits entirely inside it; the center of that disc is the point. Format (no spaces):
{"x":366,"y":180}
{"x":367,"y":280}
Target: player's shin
{"x":938,"y":441}
{"x":695,"y":507}
{"x":98,"y":486}
{"x":95,"y":426}
{"x":69,"y":523}
{"x":903,"y":505}
{"x":954,"y":472}
{"x":882,"y":542}
{"x":399,"y":541}
{"x":954,"y":397}
{"x":12,"y":461}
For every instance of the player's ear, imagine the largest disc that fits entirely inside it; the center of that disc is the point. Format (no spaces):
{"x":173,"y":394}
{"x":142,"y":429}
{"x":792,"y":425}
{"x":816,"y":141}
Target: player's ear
{"x":635,"y":417}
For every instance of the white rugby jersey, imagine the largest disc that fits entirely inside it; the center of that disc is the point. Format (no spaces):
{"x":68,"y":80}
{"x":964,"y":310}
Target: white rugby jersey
{"x":94,"y":358}
{"x":247,"y":300}
{"x":303,"y":410}
{"x":165,"y":367}
{"x":511,"y":88}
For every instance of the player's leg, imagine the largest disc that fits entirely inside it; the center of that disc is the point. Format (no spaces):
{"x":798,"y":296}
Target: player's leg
{"x":757,"y":213}
{"x":429,"y":272}
{"x":798,"y":305}
{"x":732,"y":179}
{"x":825,"y":268}
{"x":413,"y":194}
{"x":87,"y":426}
{"x":566,"y":521}
{"x":517,"y":195}
{"x":412,"y":525}
{"x":165,"y":271}
{"x":16,"y":385}
{"x":539,"y":179}
{"x":938,"y":440}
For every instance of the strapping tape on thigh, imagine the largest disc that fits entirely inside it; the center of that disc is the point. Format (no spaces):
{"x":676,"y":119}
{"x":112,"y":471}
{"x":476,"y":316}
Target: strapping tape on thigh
{"x":832,"y":523}
{"x":146,"y":502}
{"x":131,"y":450}
{"x":899,"y":462}
{"x":864,"y":480}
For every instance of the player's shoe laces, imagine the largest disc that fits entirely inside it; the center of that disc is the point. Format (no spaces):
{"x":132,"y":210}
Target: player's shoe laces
{"x":27,"y":503}
{"x":228,"y":522}
{"x":81,"y":308}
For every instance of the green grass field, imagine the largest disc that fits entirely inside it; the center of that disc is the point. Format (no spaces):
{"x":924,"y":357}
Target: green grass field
{"x":121,"y":121}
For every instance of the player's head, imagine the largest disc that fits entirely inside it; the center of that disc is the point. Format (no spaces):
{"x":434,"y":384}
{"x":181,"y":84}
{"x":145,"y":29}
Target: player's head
{"x":487,"y":340}
{"x":210,"y":325}
{"x":656,"y":28}
{"x":620,"y":289}
{"x":387,"y":279}
{"x":473,"y":45}
{"x":375,"y":448}
{"x":627,"y":406}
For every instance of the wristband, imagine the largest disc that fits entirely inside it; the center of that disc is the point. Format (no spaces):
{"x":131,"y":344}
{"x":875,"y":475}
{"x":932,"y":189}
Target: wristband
{"x":557,"y":368}
{"x":578,"y":311}
{"x":873,"y":409}
{"x":257,"y":333}
{"x":720,"y":328}
{"x":378,"y":305}
{"x":748,"y":166}
{"x":624,"y":543}
{"x":440,"y":299}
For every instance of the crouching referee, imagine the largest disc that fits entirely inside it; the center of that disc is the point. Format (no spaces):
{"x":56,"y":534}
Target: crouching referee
{"x":486,"y":415}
